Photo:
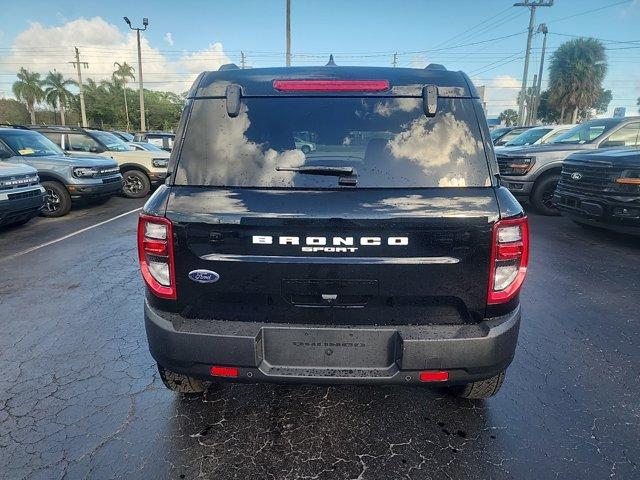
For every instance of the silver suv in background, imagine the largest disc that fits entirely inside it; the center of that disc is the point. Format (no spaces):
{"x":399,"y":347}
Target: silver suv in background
{"x":65,"y":178}
{"x":532,"y":173}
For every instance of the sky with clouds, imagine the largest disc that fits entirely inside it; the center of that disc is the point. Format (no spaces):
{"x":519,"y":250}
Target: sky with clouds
{"x":485,"y":39}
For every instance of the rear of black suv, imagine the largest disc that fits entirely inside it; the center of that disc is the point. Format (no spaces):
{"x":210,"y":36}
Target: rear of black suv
{"x":388,"y":254}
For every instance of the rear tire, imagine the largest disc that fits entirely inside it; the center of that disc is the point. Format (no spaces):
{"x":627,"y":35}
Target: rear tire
{"x":135,"y":184}
{"x":58,"y":201}
{"x":480,"y":389}
{"x":181,"y":383}
{"x":542,"y":195}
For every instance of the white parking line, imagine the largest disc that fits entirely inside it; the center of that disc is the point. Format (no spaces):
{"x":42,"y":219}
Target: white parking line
{"x":73,"y":234}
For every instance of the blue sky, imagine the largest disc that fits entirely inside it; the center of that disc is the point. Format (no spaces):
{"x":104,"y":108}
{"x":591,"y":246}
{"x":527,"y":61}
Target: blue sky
{"x":189,"y":36}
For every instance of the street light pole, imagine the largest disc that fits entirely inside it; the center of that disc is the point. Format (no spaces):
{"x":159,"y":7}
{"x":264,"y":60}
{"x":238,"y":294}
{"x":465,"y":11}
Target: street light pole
{"x":288,"y":33}
{"x":531,"y":5}
{"x":145,"y":23}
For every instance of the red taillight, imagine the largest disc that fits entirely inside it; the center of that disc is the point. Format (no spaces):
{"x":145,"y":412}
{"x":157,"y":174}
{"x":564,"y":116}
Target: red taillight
{"x":155,"y":252}
{"x":231,"y":372}
{"x":434,"y":376}
{"x":331,"y":85}
{"x":509,"y":259}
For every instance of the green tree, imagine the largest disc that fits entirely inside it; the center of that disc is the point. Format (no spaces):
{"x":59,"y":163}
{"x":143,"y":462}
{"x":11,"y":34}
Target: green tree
{"x":638,"y":103}
{"x":121,"y":75}
{"x":28,"y":89}
{"x":576,"y":72}
{"x":12,"y":111}
{"x":508,"y":117}
{"x":56,"y":93}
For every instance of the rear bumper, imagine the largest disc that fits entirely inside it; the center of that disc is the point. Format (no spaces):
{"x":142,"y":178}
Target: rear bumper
{"x":601,"y":211}
{"x":320,"y":354}
{"x":92,"y":190}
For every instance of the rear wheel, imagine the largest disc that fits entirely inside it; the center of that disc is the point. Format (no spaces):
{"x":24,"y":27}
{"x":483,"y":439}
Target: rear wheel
{"x":135,"y":184}
{"x":306,"y":149}
{"x":480,"y":389}
{"x":58,"y":201}
{"x":180,"y":383}
{"x":542,"y":195}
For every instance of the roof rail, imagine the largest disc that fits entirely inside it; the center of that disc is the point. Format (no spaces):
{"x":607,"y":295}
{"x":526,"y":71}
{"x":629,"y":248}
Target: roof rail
{"x":435,"y":66}
{"x":13,"y":125}
{"x":228,"y":66}
{"x":56,"y":127}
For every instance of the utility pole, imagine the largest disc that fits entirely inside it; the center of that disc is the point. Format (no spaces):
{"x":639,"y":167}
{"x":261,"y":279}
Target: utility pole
{"x":145,"y":23}
{"x":288,"y":33}
{"x":531,"y":99}
{"x":531,"y":5}
{"x":242,"y":60}
{"x":542,"y":28}
{"x":394,"y":62}
{"x":77,"y":64}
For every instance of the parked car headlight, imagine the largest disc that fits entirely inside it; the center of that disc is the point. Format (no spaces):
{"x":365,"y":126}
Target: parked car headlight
{"x":85,"y":172}
{"x":160,"y":162}
{"x":629,"y":177}
{"x":517,"y":166}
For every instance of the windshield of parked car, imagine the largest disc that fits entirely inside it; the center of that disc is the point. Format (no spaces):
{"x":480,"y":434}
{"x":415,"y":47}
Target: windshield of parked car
{"x":528,"y":138}
{"x":126,"y":136}
{"x":496,"y":132}
{"x":312,"y":142}
{"x":586,"y":132}
{"x":27,"y":143}
{"x":150,"y":147}
{"x":110,"y":141}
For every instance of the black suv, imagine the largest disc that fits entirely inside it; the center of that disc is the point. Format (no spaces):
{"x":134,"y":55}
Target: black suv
{"x":601,"y":188}
{"x":389,"y":254}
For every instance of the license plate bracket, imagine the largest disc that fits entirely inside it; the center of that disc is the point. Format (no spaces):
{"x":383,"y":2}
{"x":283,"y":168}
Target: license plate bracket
{"x":330,"y":347}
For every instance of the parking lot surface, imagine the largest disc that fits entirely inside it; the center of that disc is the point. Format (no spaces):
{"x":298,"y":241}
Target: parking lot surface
{"x":80,"y":396}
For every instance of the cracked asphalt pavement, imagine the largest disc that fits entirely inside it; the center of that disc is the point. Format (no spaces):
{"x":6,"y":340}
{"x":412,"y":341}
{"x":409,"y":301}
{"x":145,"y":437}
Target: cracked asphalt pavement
{"x":80,"y":396}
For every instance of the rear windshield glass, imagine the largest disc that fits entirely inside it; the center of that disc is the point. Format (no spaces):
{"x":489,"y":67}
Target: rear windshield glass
{"x":379,"y":142}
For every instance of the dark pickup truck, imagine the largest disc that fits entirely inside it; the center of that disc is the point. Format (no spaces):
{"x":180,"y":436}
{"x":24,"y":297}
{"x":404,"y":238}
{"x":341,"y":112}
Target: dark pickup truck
{"x":395,"y":260}
{"x":601,"y":188}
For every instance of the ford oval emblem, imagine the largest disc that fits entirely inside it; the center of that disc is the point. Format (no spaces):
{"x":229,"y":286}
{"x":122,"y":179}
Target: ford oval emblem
{"x":576,"y":176}
{"x":204,"y":276}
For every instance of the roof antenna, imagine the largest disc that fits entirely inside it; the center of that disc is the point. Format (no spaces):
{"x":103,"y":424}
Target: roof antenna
{"x":331,"y":63}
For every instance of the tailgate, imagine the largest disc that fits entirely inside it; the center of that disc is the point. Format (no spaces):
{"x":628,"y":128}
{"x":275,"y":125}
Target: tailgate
{"x":334,"y":257}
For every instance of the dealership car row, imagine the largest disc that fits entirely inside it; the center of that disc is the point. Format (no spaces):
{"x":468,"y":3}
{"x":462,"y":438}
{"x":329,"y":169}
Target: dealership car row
{"x":589,"y":172}
{"x":45,"y":169}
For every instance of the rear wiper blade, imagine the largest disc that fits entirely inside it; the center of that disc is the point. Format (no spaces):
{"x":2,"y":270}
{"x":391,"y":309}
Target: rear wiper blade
{"x":320,"y":170}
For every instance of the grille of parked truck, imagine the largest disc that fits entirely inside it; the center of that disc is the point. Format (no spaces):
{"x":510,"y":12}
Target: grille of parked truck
{"x":388,"y":253}
{"x":602,"y":189}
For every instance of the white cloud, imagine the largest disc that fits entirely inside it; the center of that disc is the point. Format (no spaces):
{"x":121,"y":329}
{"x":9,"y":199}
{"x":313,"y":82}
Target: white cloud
{"x":168,"y":38}
{"x":500,"y":94}
{"x":42,"y":48}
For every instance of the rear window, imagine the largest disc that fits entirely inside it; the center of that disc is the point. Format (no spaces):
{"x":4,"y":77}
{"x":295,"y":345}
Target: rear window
{"x":385,"y":142}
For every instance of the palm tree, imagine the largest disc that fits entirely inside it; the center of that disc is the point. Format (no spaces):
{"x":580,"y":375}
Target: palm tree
{"x":56,"y":92}
{"x":509,"y":117}
{"x":28,"y":89}
{"x":576,"y":72}
{"x":123,"y":73}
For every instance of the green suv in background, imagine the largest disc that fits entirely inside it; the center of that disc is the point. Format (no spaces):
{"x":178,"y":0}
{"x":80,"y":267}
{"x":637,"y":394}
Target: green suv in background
{"x":141,"y":170}
{"x":64,"y":178}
